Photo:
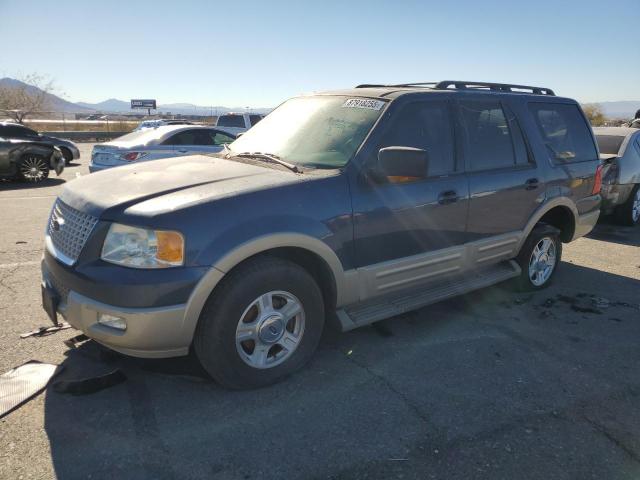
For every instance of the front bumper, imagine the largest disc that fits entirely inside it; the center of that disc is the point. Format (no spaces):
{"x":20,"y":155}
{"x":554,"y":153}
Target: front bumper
{"x":56,"y":162}
{"x":152,"y":332}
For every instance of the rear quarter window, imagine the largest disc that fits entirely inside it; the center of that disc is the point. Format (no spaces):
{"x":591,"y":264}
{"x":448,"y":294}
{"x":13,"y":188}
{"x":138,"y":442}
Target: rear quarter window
{"x":564,"y":132}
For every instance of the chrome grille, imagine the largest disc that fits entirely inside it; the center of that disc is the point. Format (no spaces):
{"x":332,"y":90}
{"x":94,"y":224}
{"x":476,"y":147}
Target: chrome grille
{"x":69,"y":230}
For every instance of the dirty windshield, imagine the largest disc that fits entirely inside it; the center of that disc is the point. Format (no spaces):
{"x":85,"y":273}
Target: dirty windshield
{"x":316,"y":131}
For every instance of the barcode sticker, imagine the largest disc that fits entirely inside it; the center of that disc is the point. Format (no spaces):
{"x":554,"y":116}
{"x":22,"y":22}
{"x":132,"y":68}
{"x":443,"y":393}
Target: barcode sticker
{"x":363,"y":103}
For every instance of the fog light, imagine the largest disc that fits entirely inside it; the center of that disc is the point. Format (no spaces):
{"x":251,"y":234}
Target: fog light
{"x":112,"y":321}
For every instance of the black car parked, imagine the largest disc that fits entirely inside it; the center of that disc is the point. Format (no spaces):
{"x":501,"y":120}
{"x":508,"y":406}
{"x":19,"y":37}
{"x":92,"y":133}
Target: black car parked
{"x":20,"y":132}
{"x":29,"y":161}
{"x":351,"y":206}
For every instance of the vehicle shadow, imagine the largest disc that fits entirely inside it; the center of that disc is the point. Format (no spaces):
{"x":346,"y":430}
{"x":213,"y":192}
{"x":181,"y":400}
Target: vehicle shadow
{"x":608,"y":231}
{"x":366,"y":395}
{"x":8,"y":185}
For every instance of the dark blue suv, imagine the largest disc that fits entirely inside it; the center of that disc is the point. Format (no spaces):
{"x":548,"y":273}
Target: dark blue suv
{"x":352,"y":206}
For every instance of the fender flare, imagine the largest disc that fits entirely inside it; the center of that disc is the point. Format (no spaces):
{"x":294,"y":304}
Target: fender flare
{"x":542,"y":210}
{"x":216,"y":273}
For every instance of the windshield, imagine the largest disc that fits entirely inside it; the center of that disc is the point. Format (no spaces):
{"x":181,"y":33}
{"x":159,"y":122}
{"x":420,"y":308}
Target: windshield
{"x":609,"y":144}
{"x":231,"y":121}
{"x":320,"y":131}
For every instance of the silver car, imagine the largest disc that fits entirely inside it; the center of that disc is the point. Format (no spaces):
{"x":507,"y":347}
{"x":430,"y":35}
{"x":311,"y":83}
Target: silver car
{"x":620,"y":150}
{"x":156,"y":143}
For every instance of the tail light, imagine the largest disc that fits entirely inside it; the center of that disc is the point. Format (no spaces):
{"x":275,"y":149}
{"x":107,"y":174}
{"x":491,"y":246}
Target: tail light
{"x":597,"y":181}
{"x":132,"y":156}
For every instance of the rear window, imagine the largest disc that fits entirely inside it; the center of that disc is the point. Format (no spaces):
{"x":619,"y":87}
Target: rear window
{"x":564,"y":132}
{"x":609,"y":144}
{"x":231,"y":121}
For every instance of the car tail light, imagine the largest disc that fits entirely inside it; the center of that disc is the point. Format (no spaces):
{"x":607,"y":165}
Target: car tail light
{"x":597,"y":182}
{"x":132,"y":156}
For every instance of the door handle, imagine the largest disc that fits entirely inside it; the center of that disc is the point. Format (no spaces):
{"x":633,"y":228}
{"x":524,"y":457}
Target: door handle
{"x":182,"y":150}
{"x":532,"y":184}
{"x":450,"y":196}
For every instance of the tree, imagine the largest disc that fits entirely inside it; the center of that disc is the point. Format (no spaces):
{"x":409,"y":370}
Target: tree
{"x":26,"y":96}
{"x":594,"y":114}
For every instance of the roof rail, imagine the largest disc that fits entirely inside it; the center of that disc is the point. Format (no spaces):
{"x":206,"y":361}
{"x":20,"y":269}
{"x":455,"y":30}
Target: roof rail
{"x":417,"y":84}
{"x":499,"y":87}
{"x":463,"y":85}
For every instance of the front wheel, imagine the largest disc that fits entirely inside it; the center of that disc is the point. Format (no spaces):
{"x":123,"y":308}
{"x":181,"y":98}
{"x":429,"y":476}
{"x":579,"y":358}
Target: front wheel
{"x":539,"y":258}
{"x":629,"y":212}
{"x":33,"y":168}
{"x":262,"y":323}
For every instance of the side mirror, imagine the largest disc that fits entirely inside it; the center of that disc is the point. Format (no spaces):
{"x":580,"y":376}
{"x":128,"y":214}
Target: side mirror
{"x":400,"y":164}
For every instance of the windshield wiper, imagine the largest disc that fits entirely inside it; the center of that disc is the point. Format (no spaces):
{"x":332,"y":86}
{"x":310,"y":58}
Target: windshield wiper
{"x":269,"y":157}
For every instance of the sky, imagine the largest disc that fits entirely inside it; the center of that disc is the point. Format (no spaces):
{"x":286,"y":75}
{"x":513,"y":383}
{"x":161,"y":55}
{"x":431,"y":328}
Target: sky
{"x":259,"y":53}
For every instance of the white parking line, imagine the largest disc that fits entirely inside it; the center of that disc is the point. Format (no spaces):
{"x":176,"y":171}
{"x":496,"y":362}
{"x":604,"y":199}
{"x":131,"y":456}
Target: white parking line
{"x":8,"y":266}
{"x":27,"y":198}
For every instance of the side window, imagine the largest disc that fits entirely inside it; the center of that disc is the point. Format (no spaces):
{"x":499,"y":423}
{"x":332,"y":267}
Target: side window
{"x":425,"y":125}
{"x":564,"y":131}
{"x":254,"y":119}
{"x":489,"y":137}
{"x":220,"y":138}
{"x":190,"y":137}
{"x":12,"y":131}
{"x":178,"y":139}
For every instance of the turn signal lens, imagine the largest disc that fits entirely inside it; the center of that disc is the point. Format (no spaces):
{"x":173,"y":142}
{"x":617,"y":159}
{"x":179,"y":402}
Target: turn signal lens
{"x":170,"y":247}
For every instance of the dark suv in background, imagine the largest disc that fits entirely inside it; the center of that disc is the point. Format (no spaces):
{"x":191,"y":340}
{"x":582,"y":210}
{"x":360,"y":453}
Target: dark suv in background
{"x":353,"y":206}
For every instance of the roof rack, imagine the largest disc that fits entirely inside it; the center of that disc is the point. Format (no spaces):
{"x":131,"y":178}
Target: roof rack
{"x":463,"y":85}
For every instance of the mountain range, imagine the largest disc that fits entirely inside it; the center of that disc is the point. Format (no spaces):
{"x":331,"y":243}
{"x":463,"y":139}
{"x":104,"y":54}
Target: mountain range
{"x":113,"y":105}
{"x":620,"y":109}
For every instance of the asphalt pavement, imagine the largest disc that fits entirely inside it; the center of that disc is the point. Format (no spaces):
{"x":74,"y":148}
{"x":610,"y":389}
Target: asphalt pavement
{"x":489,"y":385}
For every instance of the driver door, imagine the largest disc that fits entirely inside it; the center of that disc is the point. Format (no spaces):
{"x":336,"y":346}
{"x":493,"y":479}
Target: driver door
{"x":409,"y":232}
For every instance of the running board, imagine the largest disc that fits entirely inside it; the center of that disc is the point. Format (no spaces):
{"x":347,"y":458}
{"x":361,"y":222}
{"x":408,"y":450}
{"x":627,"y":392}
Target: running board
{"x":379,"y":308}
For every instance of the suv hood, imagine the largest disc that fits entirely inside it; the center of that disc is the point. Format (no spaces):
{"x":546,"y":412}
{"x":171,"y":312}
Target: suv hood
{"x":149,"y":188}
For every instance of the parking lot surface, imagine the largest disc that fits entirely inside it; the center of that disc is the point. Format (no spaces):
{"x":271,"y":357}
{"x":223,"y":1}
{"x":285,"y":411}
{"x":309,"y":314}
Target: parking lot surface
{"x":490,"y":385}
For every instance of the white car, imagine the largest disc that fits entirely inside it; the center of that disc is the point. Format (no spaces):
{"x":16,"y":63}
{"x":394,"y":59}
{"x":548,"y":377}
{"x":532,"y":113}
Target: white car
{"x":156,"y":143}
{"x":238,"y":122}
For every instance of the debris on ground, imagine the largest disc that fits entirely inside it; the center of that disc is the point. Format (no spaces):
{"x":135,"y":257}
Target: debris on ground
{"x":86,"y":386}
{"x":23,"y":383}
{"x":45,"y":331}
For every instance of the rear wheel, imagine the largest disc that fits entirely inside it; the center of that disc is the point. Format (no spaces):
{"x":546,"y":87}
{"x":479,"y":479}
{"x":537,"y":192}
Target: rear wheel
{"x":539,"y":258}
{"x":629,"y":212}
{"x":261,"y":324}
{"x":33,"y":168}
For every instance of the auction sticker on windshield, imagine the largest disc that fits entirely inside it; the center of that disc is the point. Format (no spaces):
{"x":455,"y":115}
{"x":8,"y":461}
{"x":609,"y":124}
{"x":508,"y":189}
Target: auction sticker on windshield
{"x":363,"y":103}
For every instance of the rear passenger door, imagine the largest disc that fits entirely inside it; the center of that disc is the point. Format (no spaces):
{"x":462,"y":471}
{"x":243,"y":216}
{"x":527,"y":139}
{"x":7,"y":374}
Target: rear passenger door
{"x":504,"y":186}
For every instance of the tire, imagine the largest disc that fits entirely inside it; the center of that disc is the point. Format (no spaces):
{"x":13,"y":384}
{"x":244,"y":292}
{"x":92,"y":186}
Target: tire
{"x":629,"y":212}
{"x":68,"y":156}
{"x":250,"y":303}
{"x":33,"y":168}
{"x":530,"y":280}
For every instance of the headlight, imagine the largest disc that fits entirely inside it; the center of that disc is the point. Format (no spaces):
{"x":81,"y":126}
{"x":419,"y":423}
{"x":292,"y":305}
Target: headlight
{"x":143,"y":248}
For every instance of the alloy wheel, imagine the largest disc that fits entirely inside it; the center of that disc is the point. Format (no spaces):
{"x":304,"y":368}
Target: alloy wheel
{"x":542,"y":261}
{"x":33,"y":169}
{"x":270,"y":329}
